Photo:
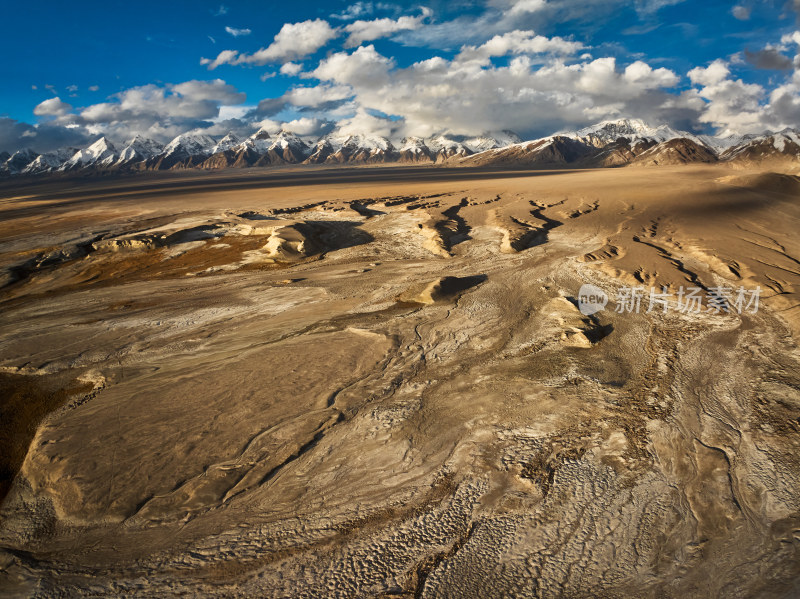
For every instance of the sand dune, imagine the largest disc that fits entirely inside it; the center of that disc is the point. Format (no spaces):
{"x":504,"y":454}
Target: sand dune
{"x":381,"y":384}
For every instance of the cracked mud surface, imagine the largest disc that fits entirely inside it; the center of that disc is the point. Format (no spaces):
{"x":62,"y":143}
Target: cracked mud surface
{"x":386,"y":390}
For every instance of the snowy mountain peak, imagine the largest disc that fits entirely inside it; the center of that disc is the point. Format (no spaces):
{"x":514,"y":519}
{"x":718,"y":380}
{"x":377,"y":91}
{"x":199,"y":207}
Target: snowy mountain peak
{"x":373,"y":143}
{"x":413,"y":144}
{"x":191,"y":144}
{"x":261,"y":134}
{"x":780,"y":140}
{"x":18,"y":161}
{"x":720,"y":144}
{"x":139,"y":148}
{"x":619,"y":126}
{"x":145,"y":145}
{"x":443,"y":147}
{"x":101,"y":153}
{"x":490,"y":141}
{"x":283,"y":134}
{"x":230,"y":138}
{"x":443,"y":142}
{"x":23,"y":153}
{"x":286,"y":139}
{"x":101,"y":147}
{"x":636,"y":131}
{"x":49,"y":161}
{"x":785,"y":144}
{"x":226,"y":143}
{"x":608,"y":131}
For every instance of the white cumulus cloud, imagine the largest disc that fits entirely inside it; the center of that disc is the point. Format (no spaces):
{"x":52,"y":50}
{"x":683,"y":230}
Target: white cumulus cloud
{"x":293,"y":41}
{"x":732,"y":106}
{"x":520,"y":42}
{"x":713,"y":74}
{"x":363,"y":123}
{"x":318,"y":95}
{"x":52,"y":107}
{"x":306,"y":126}
{"x":364,"y":67}
{"x":527,"y":6}
{"x":291,"y":69}
{"x":470,"y":97}
{"x":159,"y":111}
{"x":366,"y":31}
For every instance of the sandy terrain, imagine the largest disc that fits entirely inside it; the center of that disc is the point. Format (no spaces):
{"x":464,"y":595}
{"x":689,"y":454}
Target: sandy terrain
{"x":376,"y":383}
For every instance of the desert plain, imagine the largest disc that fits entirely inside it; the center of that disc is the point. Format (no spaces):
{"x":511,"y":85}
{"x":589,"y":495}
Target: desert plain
{"x":377,"y":382}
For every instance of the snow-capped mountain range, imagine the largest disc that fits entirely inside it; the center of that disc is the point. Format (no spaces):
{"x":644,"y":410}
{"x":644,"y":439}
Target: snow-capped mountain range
{"x":632,"y":141}
{"x":610,"y":143}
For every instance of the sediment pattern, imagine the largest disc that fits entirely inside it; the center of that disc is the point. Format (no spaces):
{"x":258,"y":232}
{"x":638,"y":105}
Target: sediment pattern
{"x":390,"y":392}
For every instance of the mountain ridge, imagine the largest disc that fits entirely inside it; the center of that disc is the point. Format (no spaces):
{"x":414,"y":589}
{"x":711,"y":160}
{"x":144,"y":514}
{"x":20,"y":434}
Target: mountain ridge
{"x":611,"y":143}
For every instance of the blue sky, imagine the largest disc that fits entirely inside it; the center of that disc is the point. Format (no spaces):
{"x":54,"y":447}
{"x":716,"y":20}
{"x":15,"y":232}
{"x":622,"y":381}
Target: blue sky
{"x":533,"y":66}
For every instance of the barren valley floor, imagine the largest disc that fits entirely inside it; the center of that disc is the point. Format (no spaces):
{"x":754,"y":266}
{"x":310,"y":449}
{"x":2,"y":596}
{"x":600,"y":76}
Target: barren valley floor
{"x":376,"y":383}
